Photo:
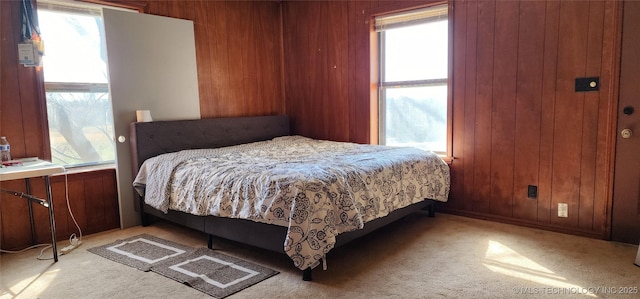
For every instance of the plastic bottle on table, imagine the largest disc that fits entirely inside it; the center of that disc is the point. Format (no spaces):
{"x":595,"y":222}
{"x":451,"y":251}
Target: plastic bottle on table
{"x":5,"y":149}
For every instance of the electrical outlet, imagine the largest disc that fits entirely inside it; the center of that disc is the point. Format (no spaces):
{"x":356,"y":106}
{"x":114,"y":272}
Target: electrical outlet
{"x":532,"y":191}
{"x":563,"y":210}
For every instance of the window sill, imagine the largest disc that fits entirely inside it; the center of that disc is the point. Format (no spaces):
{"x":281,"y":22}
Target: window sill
{"x":85,"y":169}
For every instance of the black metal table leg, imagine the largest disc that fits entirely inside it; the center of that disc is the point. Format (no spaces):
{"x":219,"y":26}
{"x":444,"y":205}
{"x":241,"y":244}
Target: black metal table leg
{"x":52,"y":220}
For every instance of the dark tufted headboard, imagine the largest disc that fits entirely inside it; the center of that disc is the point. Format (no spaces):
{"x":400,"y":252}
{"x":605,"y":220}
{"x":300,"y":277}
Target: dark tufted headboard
{"x":149,"y":139}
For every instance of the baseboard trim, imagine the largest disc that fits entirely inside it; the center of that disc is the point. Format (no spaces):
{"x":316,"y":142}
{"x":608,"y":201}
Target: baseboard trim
{"x":525,"y":223}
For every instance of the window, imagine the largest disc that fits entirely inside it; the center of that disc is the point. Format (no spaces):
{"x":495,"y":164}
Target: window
{"x":413,"y":86}
{"x":76,"y":85}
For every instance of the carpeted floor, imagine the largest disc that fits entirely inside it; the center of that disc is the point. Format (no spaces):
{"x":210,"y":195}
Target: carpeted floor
{"x":417,"y":257}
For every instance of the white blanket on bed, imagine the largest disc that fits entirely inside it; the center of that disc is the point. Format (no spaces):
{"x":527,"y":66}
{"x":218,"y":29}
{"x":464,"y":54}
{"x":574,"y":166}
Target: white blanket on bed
{"x":317,"y":189}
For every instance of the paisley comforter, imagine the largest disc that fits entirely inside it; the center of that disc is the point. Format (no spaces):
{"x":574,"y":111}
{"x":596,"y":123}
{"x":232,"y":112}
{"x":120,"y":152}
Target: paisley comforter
{"x":318,"y":189}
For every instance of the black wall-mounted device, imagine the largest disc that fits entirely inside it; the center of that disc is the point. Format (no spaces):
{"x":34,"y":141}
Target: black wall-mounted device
{"x":588,"y":84}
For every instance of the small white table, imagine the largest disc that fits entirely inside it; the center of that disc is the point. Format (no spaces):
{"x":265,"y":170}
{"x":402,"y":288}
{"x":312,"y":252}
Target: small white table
{"x":30,"y":169}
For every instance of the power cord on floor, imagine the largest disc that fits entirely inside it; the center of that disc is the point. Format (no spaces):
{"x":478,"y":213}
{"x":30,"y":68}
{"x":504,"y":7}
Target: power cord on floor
{"x":74,"y":241}
{"x":45,"y":247}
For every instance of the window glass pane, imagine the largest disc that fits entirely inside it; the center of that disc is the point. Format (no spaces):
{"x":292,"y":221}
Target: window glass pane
{"x":416,"y":52}
{"x":74,"y":51}
{"x":416,"y":116}
{"x":80,"y":114}
{"x":80,"y":127}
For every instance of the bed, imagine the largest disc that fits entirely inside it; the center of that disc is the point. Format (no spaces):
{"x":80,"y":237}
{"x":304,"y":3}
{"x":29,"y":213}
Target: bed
{"x":246,"y":179}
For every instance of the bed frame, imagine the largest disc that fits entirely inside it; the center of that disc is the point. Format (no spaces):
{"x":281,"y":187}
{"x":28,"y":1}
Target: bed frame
{"x":149,"y":139}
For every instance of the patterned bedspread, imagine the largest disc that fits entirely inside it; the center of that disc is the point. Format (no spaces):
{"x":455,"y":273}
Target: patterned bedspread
{"x":318,"y":189}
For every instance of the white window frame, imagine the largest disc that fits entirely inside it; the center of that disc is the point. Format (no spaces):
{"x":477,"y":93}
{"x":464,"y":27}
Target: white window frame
{"x":403,"y":19}
{"x":76,"y":87}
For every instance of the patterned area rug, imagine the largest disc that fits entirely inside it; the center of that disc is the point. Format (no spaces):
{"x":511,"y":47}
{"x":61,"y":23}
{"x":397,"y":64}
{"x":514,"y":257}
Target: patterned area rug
{"x":203,"y":269}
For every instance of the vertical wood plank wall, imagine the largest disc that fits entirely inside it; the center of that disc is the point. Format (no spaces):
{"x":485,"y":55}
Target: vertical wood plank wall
{"x":530,"y":127}
{"x":517,"y":120}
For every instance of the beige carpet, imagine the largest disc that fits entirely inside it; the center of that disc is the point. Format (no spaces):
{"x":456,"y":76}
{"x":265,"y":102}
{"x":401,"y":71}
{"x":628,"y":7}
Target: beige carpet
{"x":417,"y":257}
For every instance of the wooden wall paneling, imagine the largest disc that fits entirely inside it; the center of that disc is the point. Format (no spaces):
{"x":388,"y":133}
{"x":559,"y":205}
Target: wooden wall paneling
{"x":64,"y":223}
{"x":257,"y":62}
{"x":182,"y":9}
{"x":270,"y":97}
{"x":278,"y":104}
{"x":269,"y":58}
{"x":312,"y":59}
{"x":547,"y":114}
{"x":593,"y":65}
{"x":296,"y":45}
{"x":289,"y":16}
{"x":84,"y":200}
{"x":32,"y":112}
{"x":99,"y":202}
{"x":160,"y":8}
{"x":251,"y":67}
{"x":457,"y":89}
{"x":15,"y":229}
{"x":20,"y":99}
{"x":354,"y":20}
{"x":469,"y":99}
{"x":261,"y":70}
{"x":92,"y":210}
{"x":108,"y":195}
{"x":291,"y":35}
{"x":309,"y":58}
{"x":336,"y":108}
{"x":318,"y":63}
{"x":9,"y":95}
{"x":528,"y":107}
{"x":262,"y":57}
{"x":25,"y":88}
{"x":11,"y":121}
{"x":606,"y":119}
{"x":484,"y":99}
{"x":110,"y":198}
{"x":254,"y":69}
{"x":503,"y":107}
{"x":221,"y":63}
{"x":569,"y":111}
{"x":238,"y":46}
{"x":205,"y":40}
{"x":332,"y":36}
